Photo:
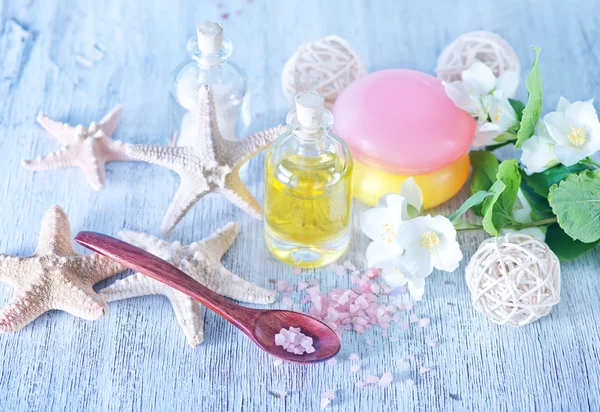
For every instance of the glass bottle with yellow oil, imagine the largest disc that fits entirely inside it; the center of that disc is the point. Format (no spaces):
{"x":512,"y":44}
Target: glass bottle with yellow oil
{"x":308,"y":188}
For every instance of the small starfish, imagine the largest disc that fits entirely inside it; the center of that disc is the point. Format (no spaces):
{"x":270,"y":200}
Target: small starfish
{"x":55,"y":277}
{"x":201,"y":261}
{"x":89,"y":149}
{"x":211,"y":165}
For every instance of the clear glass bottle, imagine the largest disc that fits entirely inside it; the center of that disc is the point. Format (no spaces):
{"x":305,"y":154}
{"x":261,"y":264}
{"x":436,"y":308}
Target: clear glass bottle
{"x":308,"y":188}
{"x":209,"y":51}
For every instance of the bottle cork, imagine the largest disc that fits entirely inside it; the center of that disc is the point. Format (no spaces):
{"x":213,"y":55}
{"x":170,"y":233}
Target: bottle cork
{"x":309,"y":109}
{"x":210,"y":37}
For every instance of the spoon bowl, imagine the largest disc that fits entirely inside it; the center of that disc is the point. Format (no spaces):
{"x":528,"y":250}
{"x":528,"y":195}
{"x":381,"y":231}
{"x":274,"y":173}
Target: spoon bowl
{"x":259,"y":325}
{"x":270,"y":322}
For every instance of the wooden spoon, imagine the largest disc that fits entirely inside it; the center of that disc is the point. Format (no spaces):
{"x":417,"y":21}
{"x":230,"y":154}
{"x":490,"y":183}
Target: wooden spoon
{"x":260,"y":325}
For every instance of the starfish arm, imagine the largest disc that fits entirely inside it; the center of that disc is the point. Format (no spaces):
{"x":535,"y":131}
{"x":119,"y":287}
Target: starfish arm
{"x":92,"y":164}
{"x":132,"y":287}
{"x":61,"y":131}
{"x":111,"y":120}
{"x":55,"y":234}
{"x":10,"y":268}
{"x":80,"y":301}
{"x":187,"y":195}
{"x":174,"y":158}
{"x":239,"y":152}
{"x":208,"y":129}
{"x":96,"y":267}
{"x":238,"y":194}
{"x":65,"y":157}
{"x":189,"y":317}
{"x":216,"y":245}
{"x":225,"y":283}
{"x":117,"y":151}
{"x":22,"y":309}
{"x":145,"y":241}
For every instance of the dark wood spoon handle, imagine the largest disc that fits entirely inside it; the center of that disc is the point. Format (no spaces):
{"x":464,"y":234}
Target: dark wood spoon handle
{"x":150,"y":265}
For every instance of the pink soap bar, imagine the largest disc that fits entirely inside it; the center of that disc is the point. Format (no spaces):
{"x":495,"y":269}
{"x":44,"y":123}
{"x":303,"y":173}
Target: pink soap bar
{"x":402,"y":121}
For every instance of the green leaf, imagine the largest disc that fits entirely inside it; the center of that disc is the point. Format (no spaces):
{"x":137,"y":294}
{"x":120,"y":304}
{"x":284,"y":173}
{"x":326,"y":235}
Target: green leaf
{"x":541,"y":182}
{"x":541,"y":207}
{"x":533,"y":109}
{"x":576,"y":204}
{"x":472,"y":201}
{"x":564,"y":246}
{"x":497,"y":209}
{"x":485,"y":167}
{"x":519,"y":106}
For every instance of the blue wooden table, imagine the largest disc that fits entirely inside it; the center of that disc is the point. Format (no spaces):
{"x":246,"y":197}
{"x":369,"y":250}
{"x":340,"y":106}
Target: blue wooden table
{"x":136,"y":358}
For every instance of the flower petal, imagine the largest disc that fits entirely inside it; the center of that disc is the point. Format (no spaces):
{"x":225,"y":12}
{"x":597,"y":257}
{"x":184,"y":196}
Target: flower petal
{"x":506,"y":84}
{"x":378,"y":252}
{"x":378,"y":224}
{"x":570,"y":155}
{"x":416,"y":288}
{"x":562,"y":104}
{"x":392,"y":274}
{"x":479,"y":78}
{"x":537,"y":155}
{"x":411,"y":191}
{"x":396,"y":205}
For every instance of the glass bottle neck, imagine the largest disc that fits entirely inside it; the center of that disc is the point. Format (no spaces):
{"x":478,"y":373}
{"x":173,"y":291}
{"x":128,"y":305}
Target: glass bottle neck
{"x":310,"y":146}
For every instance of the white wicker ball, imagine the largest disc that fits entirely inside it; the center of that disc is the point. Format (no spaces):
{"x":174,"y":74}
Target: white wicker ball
{"x":514,"y":279}
{"x":327,"y":65}
{"x":484,"y":46}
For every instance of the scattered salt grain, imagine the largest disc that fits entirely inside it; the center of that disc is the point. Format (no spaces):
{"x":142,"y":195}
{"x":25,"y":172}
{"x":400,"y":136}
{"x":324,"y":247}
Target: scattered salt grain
{"x":431,"y":343}
{"x":371,"y":379}
{"x":282,"y":394}
{"x":369,"y":341}
{"x":404,"y":326}
{"x":354,"y":368}
{"x":349,"y":265}
{"x":281,"y":285}
{"x":375,"y":288}
{"x":399,"y":361}
{"x":411,"y":356}
{"x":410,"y":382}
{"x":302,"y":285}
{"x":394,"y":339}
{"x":372,"y":273}
{"x":423,"y":370}
{"x":277,"y":362}
{"x":332,"y":361}
{"x":340,"y":270}
{"x":386,"y":379}
{"x":408,"y":306}
{"x":424,"y":322}
{"x":414,"y":318}
{"x":296,"y":270}
{"x":287,"y":301}
{"x":294,"y":341}
{"x":325,"y":402}
{"x":354,"y":357}
{"x":329,"y":394}
{"x":360,"y":384}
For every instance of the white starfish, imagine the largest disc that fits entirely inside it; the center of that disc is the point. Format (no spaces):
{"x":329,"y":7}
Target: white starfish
{"x":211,"y":165}
{"x":54,"y":277}
{"x":201,"y":261}
{"x":89,"y":149}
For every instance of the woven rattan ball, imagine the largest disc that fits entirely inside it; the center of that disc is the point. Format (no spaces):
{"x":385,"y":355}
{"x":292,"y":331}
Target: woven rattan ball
{"x":484,"y":46}
{"x":514,"y":279}
{"x":327,"y":65}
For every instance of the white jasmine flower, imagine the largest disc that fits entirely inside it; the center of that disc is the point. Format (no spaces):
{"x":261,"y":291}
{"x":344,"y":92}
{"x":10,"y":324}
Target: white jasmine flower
{"x":575,"y":130}
{"x":479,"y":81}
{"x":503,"y":118}
{"x":538,"y":151}
{"x":381,"y":225}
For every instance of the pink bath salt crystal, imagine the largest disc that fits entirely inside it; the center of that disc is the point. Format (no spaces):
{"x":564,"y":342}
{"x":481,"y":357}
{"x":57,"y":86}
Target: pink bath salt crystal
{"x":296,"y":270}
{"x":313,"y":290}
{"x":355,"y":272}
{"x":277,"y":362}
{"x":394,"y":339}
{"x":384,"y":334}
{"x":362,"y":302}
{"x":410,"y":382}
{"x":354,"y":357}
{"x":282,"y":394}
{"x":386,"y":379}
{"x":396,"y":317}
{"x":346,"y":296}
{"x":289,"y":289}
{"x":287,"y":301}
{"x":294,"y":341}
{"x":404,"y":326}
{"x":281,"y":285}
{"x":302,"y":285}
{"x":423,"y":370}
{"x":431,"y":343}
{"x":360,"y":384}
{"x":371,"y":379}
{"x":414,"y":318}
{"x":340,"y":270}
{"x":375,"y":288}
{"x":408,"y":306}
{"x":399,"y":361}
{"x":424,"y":322}
{"x":354,"y":278}
{"x":359,"y":329}
{"x":325,"y":402}
{"x":349,"y":265}
{"x":354,"y":368}
{"x":372,"y":273}
{"x":369,"y":341}
{"x":387,"y":290}
{"x":332,"y":361}
{"x":329,"y":394}
{"x":411,"y":356}
{"x":400,"y":306}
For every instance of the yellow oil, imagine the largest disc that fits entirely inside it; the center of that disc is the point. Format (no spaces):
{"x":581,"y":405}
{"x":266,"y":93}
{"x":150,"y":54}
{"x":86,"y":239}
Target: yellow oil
{"x":308,"y":205}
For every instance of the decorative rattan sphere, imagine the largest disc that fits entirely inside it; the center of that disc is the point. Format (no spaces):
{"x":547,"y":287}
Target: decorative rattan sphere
{"x":514,"y":279}
{"x":484,"y":46}
{"x":327,"y":65}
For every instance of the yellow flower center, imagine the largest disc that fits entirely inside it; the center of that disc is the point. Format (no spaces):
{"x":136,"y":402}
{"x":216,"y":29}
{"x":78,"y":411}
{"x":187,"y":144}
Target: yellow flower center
{"x":577,"y":136}
{"x":430,"y":241}
{"x":499,"y":112}
{"x":388,"y":235}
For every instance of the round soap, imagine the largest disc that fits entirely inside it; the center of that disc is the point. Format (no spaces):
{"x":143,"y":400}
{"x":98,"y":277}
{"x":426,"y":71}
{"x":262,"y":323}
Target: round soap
{"x":401,"y":123}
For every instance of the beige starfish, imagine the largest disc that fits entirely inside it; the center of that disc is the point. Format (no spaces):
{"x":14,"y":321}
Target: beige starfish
{"x":211,"y":165}
{"x":201,"y":261}
{"x":89,"y":149}
{"x":55,"y":277}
